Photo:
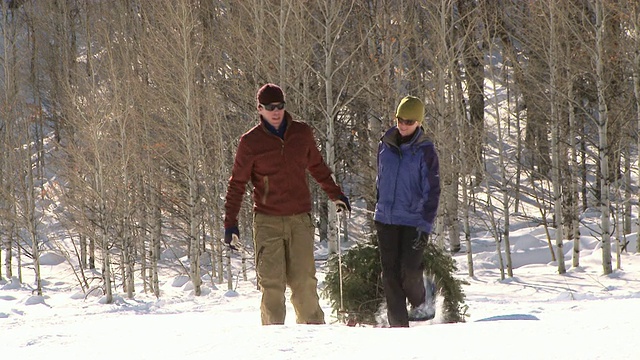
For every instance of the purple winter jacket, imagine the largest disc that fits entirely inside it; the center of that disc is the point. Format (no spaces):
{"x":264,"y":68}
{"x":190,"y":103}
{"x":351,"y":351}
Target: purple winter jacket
{"x":408,"y":181}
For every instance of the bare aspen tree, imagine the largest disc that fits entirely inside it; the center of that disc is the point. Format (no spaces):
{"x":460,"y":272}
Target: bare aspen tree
{"x":23,"y":141}
{"x":628,"y":192}
{"x":141,"y":231}
{"x":503,"y":181}
{"x":460,"y":87}
{"x":603,"y":145}
{"x":156,"y":238}
{"x":494,"y":227}
{"x":465,"y":35}
{"x":552,"y":60}
{"x":519,"y":35}
{"x":211,"y":16}
{"x":635,"y":25}
{"x":172,"y":49}
{"x":33,"y":162}
{"x":566,"y":76}
{"x":10,"y":66}
{"x":249,"y":51}
{"x":472,"y":58}
{"x":146,"y":102}
{"x":365,"y":119}
{"x":117,"y":57}
{"x":3,"y":105}
{"x":59,"y":27}
{"x":467,"y":228}
{"x":27,"y":190}
{"x":94,"y":158}
{"x":503,"y":178}
{"x":385,"y":35}
{"x":573,"y":168}
{"x":330,"y":18}
{"x":90,"y":157}
{"x":443,"y":89}
{"x":619,"y":101}
{"x":151,"y":151}
{"x":335,"y":48}
{"x":384,"y":49}
{"x":574,"y":32}
{"x":528,"y":70}
{"x":470,"y":171}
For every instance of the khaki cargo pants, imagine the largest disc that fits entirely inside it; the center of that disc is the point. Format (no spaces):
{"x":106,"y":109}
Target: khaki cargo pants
{"x":284,"y":256}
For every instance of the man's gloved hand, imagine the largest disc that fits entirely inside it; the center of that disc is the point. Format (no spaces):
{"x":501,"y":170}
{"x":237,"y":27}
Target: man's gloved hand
{"x":342,"y":203}
{"x":232,"y":237}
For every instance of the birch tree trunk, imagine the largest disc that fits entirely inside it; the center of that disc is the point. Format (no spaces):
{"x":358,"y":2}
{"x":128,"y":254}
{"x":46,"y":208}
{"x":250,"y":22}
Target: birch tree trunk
{"x":156,"y":236}
{"x":143,"y":235}
{"x":626,"y":221}
{"x":636,"y":92}
{"x":472,"y":58}
{"x":555,"y":129}
{"x":331,"y":18}
{"x":573,"y":169}
{"x":172,"y":49}
{"x":497,"y":235}
{"x":467,"y":227}
{"x":103,"y":226}
{"x":92,"y":252}
{"x":8,"y":250}
{"x":83,"y":250}
{"x":30,"y":150}
{"x":28,"y":190}
{"x":191,"y":131}
{"x":503,"y":181}
{"x":106,"y":269}
{"x":18,"y":257}
{"x":330,"y":111}
{"x":618,"y":237}
{"x":7,"y":115}
{"x":603,"y":146}
{"x":128,"y":190}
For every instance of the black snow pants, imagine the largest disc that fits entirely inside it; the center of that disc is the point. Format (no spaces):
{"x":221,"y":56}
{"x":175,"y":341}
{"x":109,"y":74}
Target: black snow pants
{"x":402,"y":257}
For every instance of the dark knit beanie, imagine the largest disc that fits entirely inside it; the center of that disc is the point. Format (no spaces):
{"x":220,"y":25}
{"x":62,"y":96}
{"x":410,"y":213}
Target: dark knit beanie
{"x":270,"y":93}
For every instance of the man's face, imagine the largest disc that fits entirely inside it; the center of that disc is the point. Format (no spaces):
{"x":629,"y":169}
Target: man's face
{"x":273,"y":113}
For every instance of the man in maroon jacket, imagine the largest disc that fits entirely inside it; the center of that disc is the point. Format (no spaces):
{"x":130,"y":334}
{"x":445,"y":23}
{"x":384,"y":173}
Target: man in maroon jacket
{"x":275,"y":156}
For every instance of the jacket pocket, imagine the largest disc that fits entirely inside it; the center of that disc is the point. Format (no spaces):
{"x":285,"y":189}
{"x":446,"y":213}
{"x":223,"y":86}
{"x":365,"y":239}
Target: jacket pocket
{"x":310,"y":221}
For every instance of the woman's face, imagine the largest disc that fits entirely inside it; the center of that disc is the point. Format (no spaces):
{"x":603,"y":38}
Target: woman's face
{"x":406,"y":127}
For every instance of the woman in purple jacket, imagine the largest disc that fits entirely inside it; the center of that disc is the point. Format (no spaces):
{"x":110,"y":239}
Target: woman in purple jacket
{"x":408,"y":193}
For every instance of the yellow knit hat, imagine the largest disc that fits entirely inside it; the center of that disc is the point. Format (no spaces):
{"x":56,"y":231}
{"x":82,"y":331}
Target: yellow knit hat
{"x":411,"y":108}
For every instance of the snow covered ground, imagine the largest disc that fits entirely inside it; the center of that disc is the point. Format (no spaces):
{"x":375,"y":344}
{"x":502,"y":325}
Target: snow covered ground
{"x":537,"y":314}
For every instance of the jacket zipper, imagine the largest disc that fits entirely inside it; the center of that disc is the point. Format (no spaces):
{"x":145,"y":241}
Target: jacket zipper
{"x":395,"y":185}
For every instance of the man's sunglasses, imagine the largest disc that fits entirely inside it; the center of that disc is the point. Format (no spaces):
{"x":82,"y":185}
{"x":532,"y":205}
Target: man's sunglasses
{"x":271,"y":107}
{"x":405,"y":122}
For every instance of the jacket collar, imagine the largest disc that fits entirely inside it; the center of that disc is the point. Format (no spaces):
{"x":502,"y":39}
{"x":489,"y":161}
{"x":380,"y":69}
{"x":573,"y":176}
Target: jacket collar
{"x":277,"y":132}
{"x":391,"y":137}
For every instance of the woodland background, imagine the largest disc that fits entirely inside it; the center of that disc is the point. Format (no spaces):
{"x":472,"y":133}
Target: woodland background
{"x":122,"y":117}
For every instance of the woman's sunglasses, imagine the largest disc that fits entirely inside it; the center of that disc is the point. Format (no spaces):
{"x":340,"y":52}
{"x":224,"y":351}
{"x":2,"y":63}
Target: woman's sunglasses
{"x":405,"y":122}
{"x":271,"y":107}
